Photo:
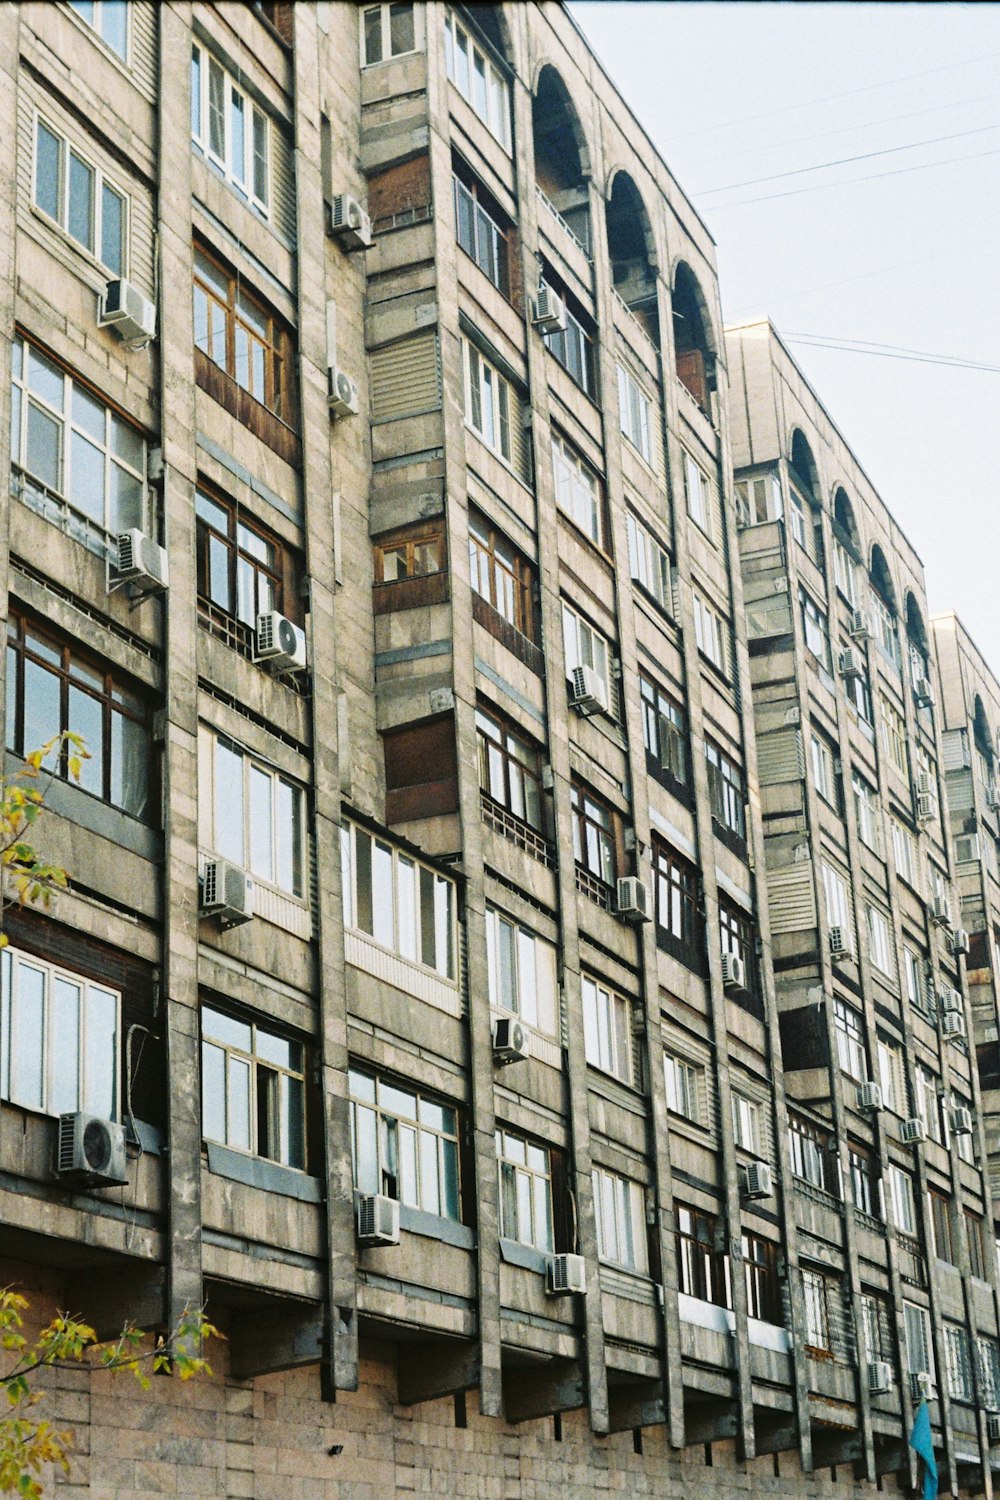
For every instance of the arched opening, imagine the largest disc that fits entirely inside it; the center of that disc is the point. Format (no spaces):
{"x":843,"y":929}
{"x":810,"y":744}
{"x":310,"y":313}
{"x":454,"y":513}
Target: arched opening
{"x":804,"y":499}
{"x":917,"y":646}
{"x":693,"y":349}
{"x":844,"y":523}
{"x":846,"y":546}
{"x":630,"y":250}
{"x":882,"y":579}
{"x":804,"y":474}
{"x":884,"y":607}
{"x":560,"y":154}
{"x":492,"y":24}
{"x":981,"y":737}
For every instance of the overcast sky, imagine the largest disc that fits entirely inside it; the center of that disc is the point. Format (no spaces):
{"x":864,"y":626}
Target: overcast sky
{"x":733,"y":92}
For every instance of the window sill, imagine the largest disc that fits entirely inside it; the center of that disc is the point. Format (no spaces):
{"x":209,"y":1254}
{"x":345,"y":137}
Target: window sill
{"x":90,"y":812}
{"x":517,"y":832}
{"x":99,"y":274}
{"x":516,"y":1254}
{"x":258,"y":1172}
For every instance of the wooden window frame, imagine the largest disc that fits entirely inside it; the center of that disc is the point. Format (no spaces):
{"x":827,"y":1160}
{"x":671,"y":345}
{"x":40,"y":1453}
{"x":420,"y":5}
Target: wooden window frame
{"x":702,"y":1269}
{"x":411,"y":588}
{"x":224,"y":620}
{"x":683,"y":883}
{"x":530,"y":768}
{"x":483,"y":206}
{"x":664,"y":719}
{"x":484,"y":541}
{"x":607,"y":834}
{"x":278,"y":357}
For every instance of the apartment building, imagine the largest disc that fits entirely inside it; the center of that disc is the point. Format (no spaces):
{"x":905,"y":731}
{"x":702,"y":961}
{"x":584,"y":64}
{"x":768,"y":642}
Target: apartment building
{"x":885,"y":1125}
{"x":439,"y":956}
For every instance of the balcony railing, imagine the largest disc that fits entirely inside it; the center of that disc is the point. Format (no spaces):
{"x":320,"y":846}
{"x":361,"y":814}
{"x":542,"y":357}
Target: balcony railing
{"x":547,"y":201}
{"x":519,"y":833}
{"x":594,"y":888}
{"x":59,"y":511}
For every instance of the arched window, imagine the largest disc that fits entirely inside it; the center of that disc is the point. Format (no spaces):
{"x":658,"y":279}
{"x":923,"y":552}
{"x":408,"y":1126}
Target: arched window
{"x":917,"y":647}
{"x":982,"y":740}
{"x":884,"y":610}
{"x":560,"y":154}
{"x":630,"y":250}
{"x":804,"y":501}
{"x":693,"y":352}
{"x":846,"y":546}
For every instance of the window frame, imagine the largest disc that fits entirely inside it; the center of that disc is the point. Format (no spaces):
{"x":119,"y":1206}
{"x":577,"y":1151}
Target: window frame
{"x":684,"y":1084}
{"x":485,"y":387}
{"x":620,"y":1214}
{"x":595,"y":835}
{"x":703,"y":1270}
{"x":523,"y":1185}
{"x":99,"y":7}
{"x":424,"y":940}
{"x":815,"y":629}
{"x":257,"y":127}
{"x":276,"y":362}
{"x":699,"y":497}
{"x":511,"y":988}
{"x":678,"y":879}
{"x":711,"y":630}
{"x":267,"y":1117}
{"x":492,"y":256}
{"x":815,"y":1296}
{"x":572,"y":348}
{"x":880,"y":941}
{"x":408,"y":540}
{"x":100,"y":183}
{"x":852,"y":1044}
{"x":580,"y":640}
{"x":429,"y":1139}
{"x":385,"y":29}
{"x":287,"y":822}
{"x":510,"y":581}
{"x":575,"y":480}
{"x":635,"y":413}
{"x":607,"y":1029}
{"x":495,"y":97}
{"x":727,"y":791}
{"x":760,"y":1270}
{"x":810,"y":1156}
{"x":520,"y":765}
{"x":650,"y":564}
{"x":738,"y":938}
{"x":268,"y":577}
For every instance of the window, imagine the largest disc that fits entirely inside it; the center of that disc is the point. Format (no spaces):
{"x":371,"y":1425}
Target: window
{"x":698,"y":491}
{"x":76,"y":447}
{"x":917,"y":1327}
{"x":892,"y":1077}
{"x":913,"y":974}
{"x":814,"y":1290}
{"x":501,"y":576}
{"x":941,"y":1232}
{"x":634,"y":414}
{"x":649,"y":563}
{"x":593,"y":835}
{"x":894,"y":735}
{"x":387,"y":30}
{"x":988,"y":1365}
{"x":684,"y":1083}
{"x":620,"y":1209}
{"x":678,"y":919}
{"x":52,"y":689}
{"x":252,"y":1088}
{"x":725,"y":790}
{"x":760,"y":1268}
{"x":876,"y":1327}
{"x":607,"y":1029}
{"x":964,"y":1140}
{"x":958,"y":1359}
{"x":404,"y":1144}
{"x":904,"y":1214}
{"x":746,"y":1123}
{"x":812,"y":1159}
{"x":797,"y":516}
{"x":816,"y":629}
{"x":927,"y":1101}
{"x":239,"y":566}
{"x":109,"y":18}
{"x":838,"y":901}
{"x":522,"y":971}
{"x":509,"y":769}
{"x":904,"y":852}
{"x":977,"y":1246}
{"x":403,"y":904}
{"x":231,"y":131}
{"x":478,"y":79}
{"x":711,"y":632}
{"x":238,"y":333}
{"x":664,"y":733}
{"x":865,"y":811}
{"x":844,"y":575}
{"x":413,"y":553}
{"x":824,"y":772}
{"x":886,"y":633}
{"x":702,"y":1267}
{"x":573,"y":348}
{"x":77,"y":196}
{"x":251,"y":815}
{"x":851,"y":1051}
{"x":489,"y":402}
{"x":759,"y":500}
{"x":478,"y":229}
{"x":525,"y":1191}
{"x":585,"y":647}
{"x":864,"y":1183}
{"x":879,"y":941}
{"x":578,"y":490}
{"x":739,"y":939}
{"x":59,"y":1038}
{"x":859,"y":695}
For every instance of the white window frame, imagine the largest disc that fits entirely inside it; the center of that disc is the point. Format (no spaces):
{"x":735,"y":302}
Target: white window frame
{"x":607,"y":1029}
{"x":246,"y":1059}
{"x":824,"y":775}
{"x":844,"y":572}
{"x":388,"y":55}
{"x":492,"y":101}
{"x":489,"y":392}
{"x":285,"y":829}
{"x":894,"y":735}
{"x":814,"y":1294}
{"x":585,"y":646}
{"x":699,"y":496}
{"x":398,"y":919}
{"x":635,"y":414}
{"x":901,"y":1197}
{"x":531,"y":987}
{"x":880,"y":945}
{"x":99,"y":8}
{"x":414,"y":1153}
{"x":685,"y":1086}
{"x":892,"y":1077}
{"x":958,"y":1358}
{"x":904,"y":852}
{"x":865,"y":811}
{"x":620,"y":1211}
{"x":61,"y":220}
{"x":578,"y":489}
{"x":242,"y":178}
{"x":746,"y":1122}
{"x":649,"y":563}
{"x":46,"y":1035}
{"x":917,"y":1332}
{"x":759,"y":499}
{"x":838,"y":902}
{"x":524,"y":1171}
{"x":711,"y":632}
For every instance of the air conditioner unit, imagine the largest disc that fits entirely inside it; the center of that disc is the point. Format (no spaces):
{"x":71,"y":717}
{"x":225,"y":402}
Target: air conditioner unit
{"x":90,"y":1151}
{"x":951,"y":1000}
{"x":869,"y":1096}
{"x":350,"y":223}
{"x":756,"y":1180}
{"x":378,"y":1220}
{"x":952,"y":1025}
{"x":566,"y":1273}
{"x":923,"y":692}
{"x":226,"y":893}
{"x":959,"y":941}
{"x":925,"y":784}
{"x":912,"y":1131}
{"x":734,"y":972}
{"x":939,"y":910}
{"x":280,"y":643}
{"x":992,"y":1428}
{"x":342,"y":393}
{"x":141,"y":560}
{"x":632,"y":902}
{"x":921,"y":1385}
{"x":122,"y":306}
{"x":850,"y":663}
{"x":992,"y":796}
{"x":859,"y":628}
{"x":588,"y":692}
{"x":960,"y":1120}
{"x":509,"y":1042}
{"x":879,"y":1377}
{"x":550,"y":311}
{"x":840,"y":943}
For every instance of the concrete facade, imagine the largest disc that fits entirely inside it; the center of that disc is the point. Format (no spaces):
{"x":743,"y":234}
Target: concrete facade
{"x":540,"y":956}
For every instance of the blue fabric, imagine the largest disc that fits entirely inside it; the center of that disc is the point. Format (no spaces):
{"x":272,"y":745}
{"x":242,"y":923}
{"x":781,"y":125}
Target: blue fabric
{"x":922,"y":1442}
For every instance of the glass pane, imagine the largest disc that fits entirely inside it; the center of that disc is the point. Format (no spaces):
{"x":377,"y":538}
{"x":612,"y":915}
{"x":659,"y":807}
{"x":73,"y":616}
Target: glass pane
{"x":543,"y":1214}
{"x":223,"y":1028}
{"x":126,"y":507}
{"x":216,"y":108}
{"x":383,"y":926}
{"x":288,"y":855}
{"x":508,"y":995}
{"x":406,"y":907}
{"x":28,"y":1037}
{"x":216,"y":515}
{"x":42,"y":455}
{"x":64,"y":1058}
{"x":408,"y":1189}
{"x":449,"y":1179}
{"x":293,"y":1124}
{"x":218,"y":573}
{"x":213,"y":1092}
{"x":101,"y":1062}
{"x":398,"y":1102}
{"x":228,"y":809}
{"x":401,"y":37}
{"x":86,"y":477}
{"x":114,"y":25}
{"x":437,"y":1116}
{"x":260,"y":156}
{"x":373,"y":34}
{"x":238,"y":1104}
{"x":201,"y":319}
{"x":129,"y":765}
{"x":268,"y":1114}
{"x":15,"y":422}
{"x":261,"y":846}
{"x":196,"y":93}
{"x":237,"y":137}
{"x":276,"y":1049}
{"x":361,"y":1086}
{"x":363,"y":880}
{"x":86,"y":718}
{"x":242,"y":370}
{"x":88,"y":413}
{"x":5,"y":1017}
{"x":80,"y":221}
{"x":253,"y":314}
{"x":47,"y":171}
{"x":45,"y":379}
{"x":524,"y":1196}
{"x":42,"y":715}
{"x":444,"y":926}
{"x":127,"y":444}
{"x":430,"y":1200}
{"x":367,"y":1177}
{"x":113,"y":230}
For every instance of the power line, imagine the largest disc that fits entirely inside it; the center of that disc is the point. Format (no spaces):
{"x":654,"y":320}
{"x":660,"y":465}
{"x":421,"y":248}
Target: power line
{"x":844,"y":161}
{"x":888,"y":351}
{"x":822,"y":187}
